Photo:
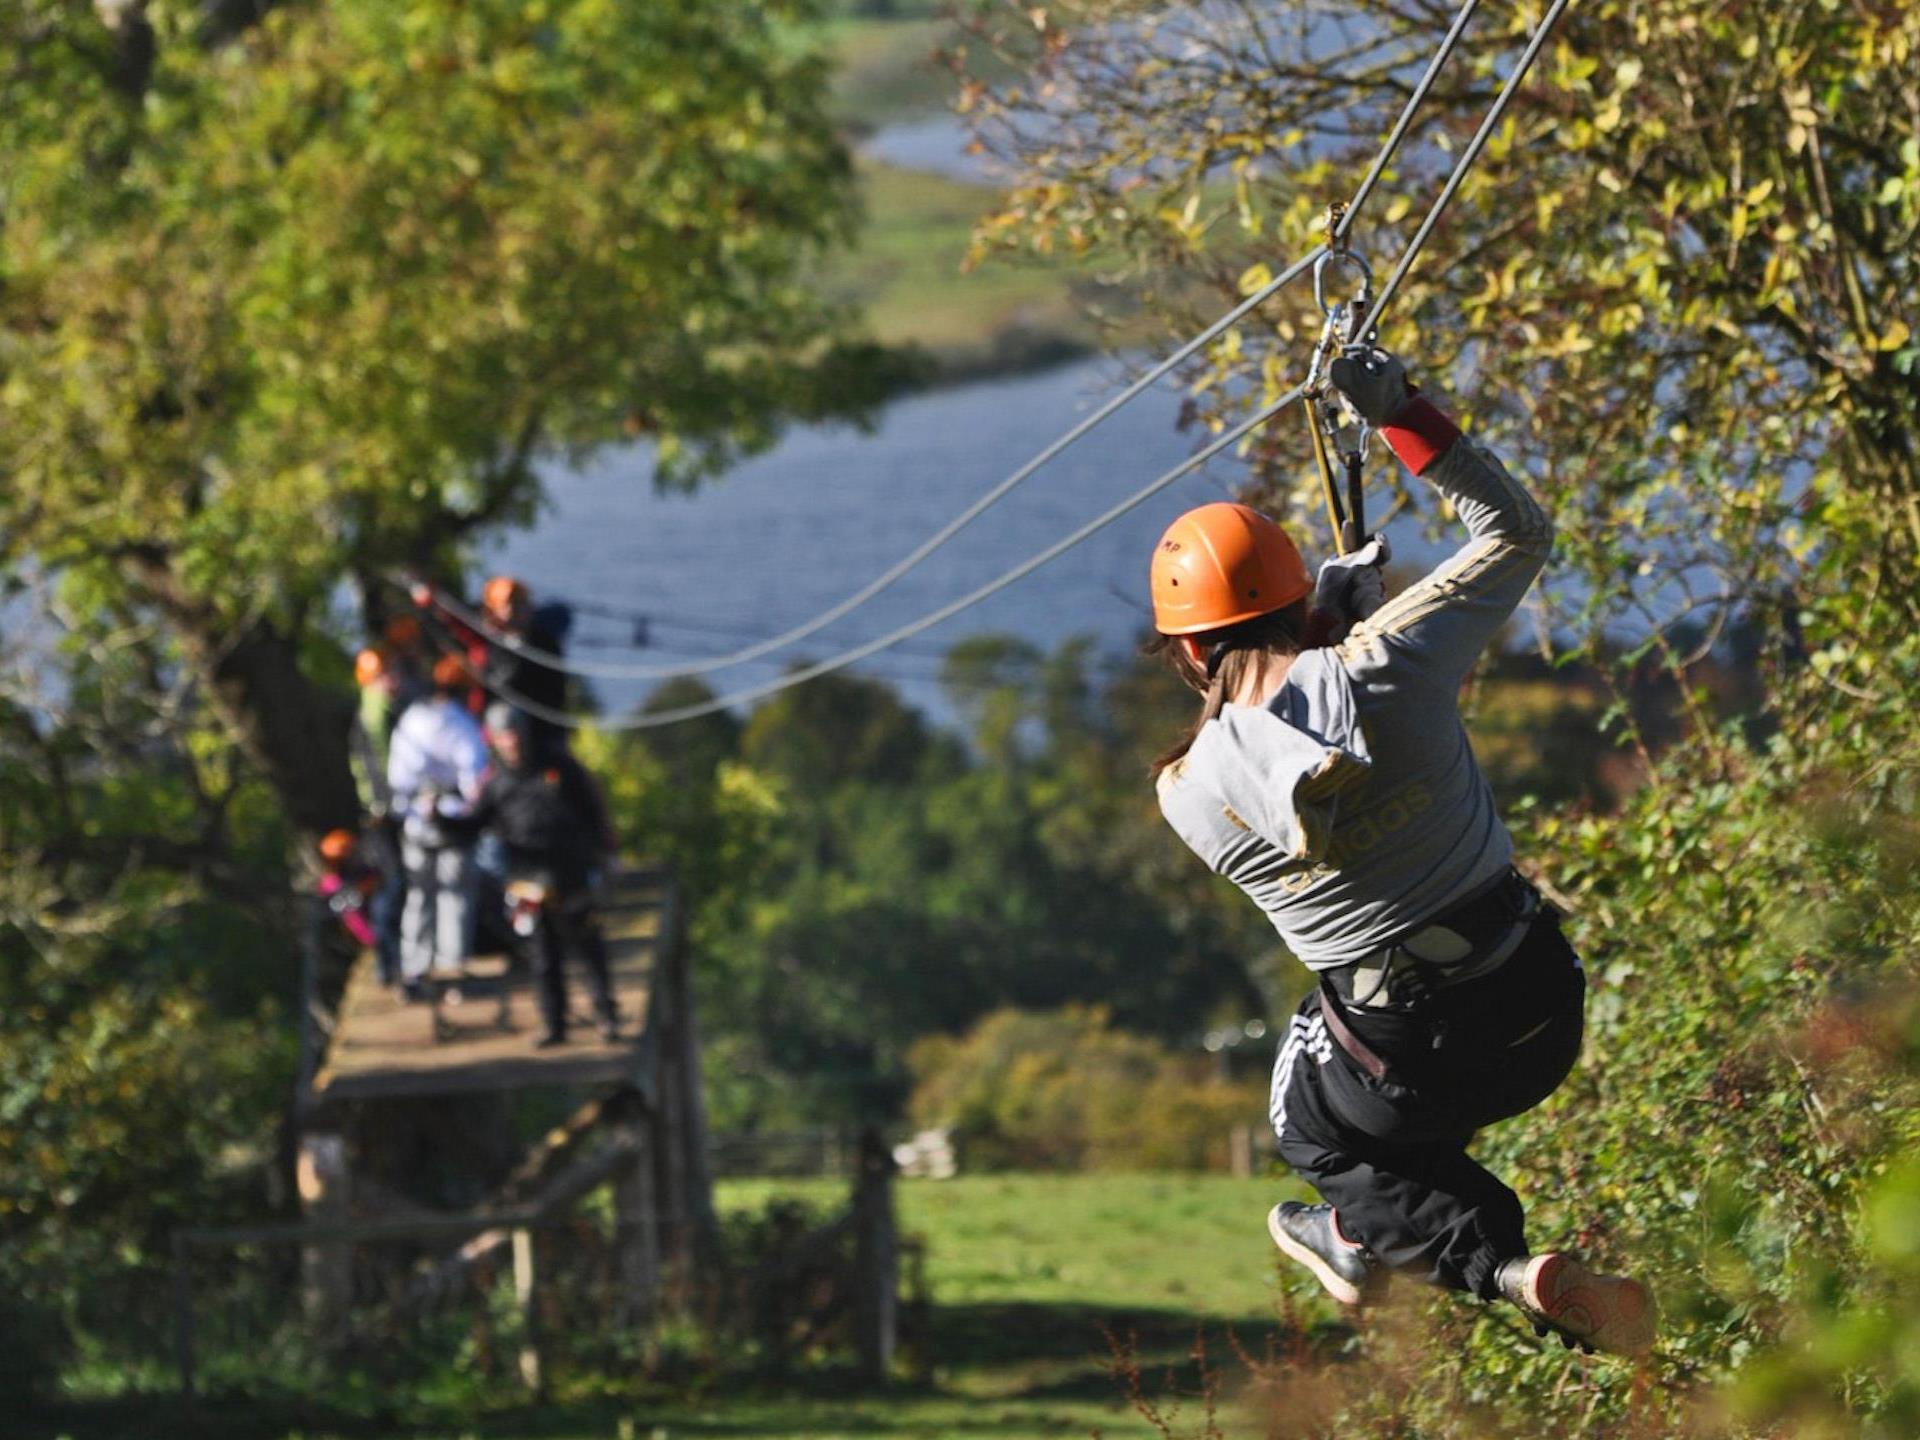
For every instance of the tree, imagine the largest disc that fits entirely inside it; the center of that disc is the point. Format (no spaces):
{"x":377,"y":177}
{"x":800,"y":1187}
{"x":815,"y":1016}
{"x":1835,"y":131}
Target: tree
{"x":291,"y":295}
{"x":1683,"y":272}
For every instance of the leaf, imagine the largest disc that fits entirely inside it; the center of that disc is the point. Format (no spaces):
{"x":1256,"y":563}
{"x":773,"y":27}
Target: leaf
{"x":1894,"y":336}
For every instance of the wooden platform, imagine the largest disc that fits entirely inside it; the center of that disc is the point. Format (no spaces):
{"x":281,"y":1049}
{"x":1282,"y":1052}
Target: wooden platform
{"x":384,"y":1047}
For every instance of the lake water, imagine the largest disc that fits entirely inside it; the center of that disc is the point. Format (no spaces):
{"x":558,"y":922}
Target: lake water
{"x":787,"y":534}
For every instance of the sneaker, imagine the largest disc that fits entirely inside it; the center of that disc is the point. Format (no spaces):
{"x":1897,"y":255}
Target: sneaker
{"x":1594,"y":1312}
{"x":550,"y":1039}
{"x":1311,"y":1235}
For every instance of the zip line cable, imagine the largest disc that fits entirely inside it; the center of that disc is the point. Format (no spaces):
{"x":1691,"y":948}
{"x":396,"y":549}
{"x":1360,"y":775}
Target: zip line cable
{"x":616,"y":670}
{"x":1467,"y":158}
{"x":1232,"y":437}
{"x":926,"y":622}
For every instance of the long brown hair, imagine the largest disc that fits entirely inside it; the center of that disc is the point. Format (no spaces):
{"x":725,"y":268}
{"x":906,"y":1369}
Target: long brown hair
{"x":1236,"y":655}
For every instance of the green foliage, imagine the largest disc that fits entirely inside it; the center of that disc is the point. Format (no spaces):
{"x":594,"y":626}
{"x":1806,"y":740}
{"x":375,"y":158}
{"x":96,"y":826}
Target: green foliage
{"x":1684,"y":269}
{"x":862,"y":880}
{"x":1063,"y":1089}
{"x":291,"y":295}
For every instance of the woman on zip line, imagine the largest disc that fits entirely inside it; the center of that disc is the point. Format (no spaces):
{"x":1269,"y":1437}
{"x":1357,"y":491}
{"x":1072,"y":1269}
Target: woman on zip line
{"x":1334,"y":784}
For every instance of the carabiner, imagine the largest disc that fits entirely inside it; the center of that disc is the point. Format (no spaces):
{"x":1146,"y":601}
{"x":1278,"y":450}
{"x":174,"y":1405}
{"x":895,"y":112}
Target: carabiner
{"x":1354,"y":261}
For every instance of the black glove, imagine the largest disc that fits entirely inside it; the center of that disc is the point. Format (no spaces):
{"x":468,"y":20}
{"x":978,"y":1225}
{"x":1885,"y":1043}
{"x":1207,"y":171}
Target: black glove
{"x":1373,"y":382}
{"x":1351,"y":587}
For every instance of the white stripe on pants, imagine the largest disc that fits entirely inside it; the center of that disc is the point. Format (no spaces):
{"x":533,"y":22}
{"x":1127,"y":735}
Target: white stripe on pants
{"x":436,"y":928}
{"x":1304,"y":1036}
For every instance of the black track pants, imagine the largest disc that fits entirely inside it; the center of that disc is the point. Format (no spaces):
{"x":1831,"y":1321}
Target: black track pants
{"x":1391,"y":1155}
{"x":570,"y":926}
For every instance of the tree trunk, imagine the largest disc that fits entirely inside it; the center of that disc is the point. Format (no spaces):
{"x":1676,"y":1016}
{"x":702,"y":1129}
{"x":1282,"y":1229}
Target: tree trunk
{"x":293,"y":729}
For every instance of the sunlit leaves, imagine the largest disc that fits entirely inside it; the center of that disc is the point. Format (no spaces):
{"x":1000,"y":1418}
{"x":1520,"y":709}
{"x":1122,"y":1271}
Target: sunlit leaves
{"x":1694,"y":212}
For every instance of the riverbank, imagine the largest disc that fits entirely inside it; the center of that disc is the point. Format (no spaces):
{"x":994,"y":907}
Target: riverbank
{"x":907,"y":271}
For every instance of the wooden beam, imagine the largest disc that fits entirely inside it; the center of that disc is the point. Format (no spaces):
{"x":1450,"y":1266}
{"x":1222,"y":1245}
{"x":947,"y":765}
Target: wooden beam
{"x":526,"y":1290}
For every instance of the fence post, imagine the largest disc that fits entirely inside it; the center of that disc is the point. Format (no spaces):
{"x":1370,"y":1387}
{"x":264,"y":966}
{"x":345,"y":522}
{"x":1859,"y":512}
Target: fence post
{"x":183,"y":1318}
{"x":526,"y":1289}
{"x":635,"y":1228}
{"x":1240,"y":1151}
{"x":876,"y":1257}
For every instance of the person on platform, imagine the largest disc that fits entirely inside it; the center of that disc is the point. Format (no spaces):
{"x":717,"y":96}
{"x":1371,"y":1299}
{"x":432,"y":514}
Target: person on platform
{"x":368,"y":748}
{"x":435,"y":768}
{"x":1328,"y":774}
{"x":531,"y":685}
{"x":348,"y":884}
{"x":553,"y":824}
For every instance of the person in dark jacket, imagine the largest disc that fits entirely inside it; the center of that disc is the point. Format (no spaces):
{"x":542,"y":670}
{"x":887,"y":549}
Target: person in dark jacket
{"x":518,"y":677}
{"x":548,"y":814}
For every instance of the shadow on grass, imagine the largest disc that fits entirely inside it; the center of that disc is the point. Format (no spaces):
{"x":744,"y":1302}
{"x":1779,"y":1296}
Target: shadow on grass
{"x":990,"y":1335}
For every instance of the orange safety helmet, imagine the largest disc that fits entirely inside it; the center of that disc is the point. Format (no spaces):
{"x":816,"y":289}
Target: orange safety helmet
{"x":1222,"y":564}
{"x":337,"y":845}
{"x":450,"y":672}
{"x":501,"y":592}
{"x":403,"y":632}
{"x":368,"y":667}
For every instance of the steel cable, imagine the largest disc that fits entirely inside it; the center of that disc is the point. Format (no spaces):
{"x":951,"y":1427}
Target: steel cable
{"x":912,"y":628}
{"x":1233,"y":436}
{"x":615,"y":670}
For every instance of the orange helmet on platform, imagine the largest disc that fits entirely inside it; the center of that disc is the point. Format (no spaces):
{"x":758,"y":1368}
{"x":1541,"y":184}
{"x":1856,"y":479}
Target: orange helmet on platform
{"x":450,"y":672}
{"x":336,"y":846}
{"x":368,"y":667}
{"x":501,"y":592}
{"x":1222,"y":564}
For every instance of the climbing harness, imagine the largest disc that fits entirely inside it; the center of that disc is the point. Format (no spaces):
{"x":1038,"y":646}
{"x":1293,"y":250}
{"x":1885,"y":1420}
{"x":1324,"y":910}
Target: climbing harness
{"x":1372,"y":314}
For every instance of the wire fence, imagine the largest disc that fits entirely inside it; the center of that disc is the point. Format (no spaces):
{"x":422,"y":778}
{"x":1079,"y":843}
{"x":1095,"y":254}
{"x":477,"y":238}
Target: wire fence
{"x":315,"y":1310}
{"x":813,"y":1151}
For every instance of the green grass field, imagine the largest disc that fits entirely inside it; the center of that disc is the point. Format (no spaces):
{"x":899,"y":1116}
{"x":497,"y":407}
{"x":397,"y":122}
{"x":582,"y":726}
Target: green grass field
{"x":1032,"y":1277}
{"x":905,"y":274}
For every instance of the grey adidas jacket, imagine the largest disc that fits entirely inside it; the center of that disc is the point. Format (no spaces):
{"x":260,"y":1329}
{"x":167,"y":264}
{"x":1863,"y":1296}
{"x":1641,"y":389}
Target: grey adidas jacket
{"x":1350,"y":808}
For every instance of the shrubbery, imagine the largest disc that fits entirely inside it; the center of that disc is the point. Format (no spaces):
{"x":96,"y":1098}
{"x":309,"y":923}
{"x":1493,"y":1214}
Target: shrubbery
{"x":1740,"y":1130}
{"x":1064,"y":1089}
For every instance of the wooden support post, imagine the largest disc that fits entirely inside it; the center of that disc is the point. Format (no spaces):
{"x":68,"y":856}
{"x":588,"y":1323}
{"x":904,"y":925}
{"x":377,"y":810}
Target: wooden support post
{"x":635,"y":1233}
{"x":183,"y":1318}
{"x":1240,"y":1151}
{"x":685,"y":1189}
{"x":327,"y":1268}
{"x":526,"y":1289}
{"x":876,"y":1257}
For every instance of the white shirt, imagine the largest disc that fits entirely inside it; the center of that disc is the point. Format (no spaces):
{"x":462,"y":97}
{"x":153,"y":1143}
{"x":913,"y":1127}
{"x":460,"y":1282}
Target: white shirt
{"x":437,"y":747}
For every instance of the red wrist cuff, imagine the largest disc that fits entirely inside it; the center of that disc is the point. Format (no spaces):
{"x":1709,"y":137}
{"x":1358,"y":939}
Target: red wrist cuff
{"x":1419,"y":433}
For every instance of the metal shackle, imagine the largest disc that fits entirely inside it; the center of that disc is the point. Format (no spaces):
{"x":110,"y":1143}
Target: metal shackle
{"x":1354,"y":261}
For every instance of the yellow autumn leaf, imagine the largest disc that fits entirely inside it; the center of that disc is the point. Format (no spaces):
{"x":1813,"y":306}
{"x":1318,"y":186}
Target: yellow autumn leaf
{"x":1895,"y":335}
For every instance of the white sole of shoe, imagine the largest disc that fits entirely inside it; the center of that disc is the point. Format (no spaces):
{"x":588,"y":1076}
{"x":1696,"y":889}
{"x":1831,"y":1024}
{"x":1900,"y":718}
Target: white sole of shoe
{"x":1342,"y":1290}
{"x":1616,"y":1317}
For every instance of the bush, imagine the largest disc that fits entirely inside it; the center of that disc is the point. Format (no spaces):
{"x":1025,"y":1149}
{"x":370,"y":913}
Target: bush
{"x":37,"y":1346}
{"x":1063,"y":1089}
